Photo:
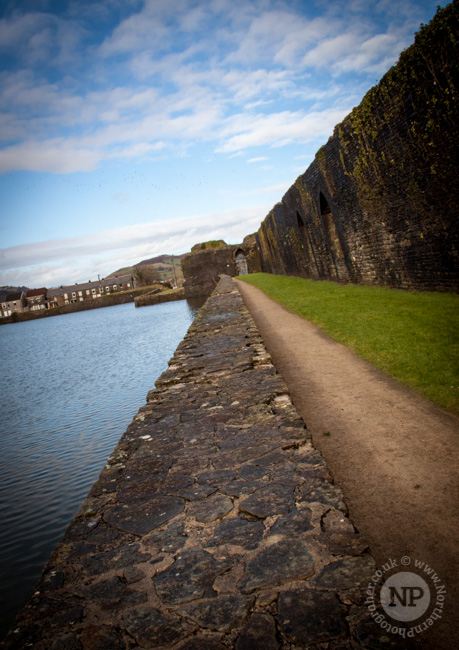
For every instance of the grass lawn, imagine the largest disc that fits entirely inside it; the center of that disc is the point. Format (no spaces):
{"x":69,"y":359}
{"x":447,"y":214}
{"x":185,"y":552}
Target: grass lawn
{"x":412,"y":336}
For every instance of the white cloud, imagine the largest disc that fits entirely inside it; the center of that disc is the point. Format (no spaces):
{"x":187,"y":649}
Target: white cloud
{"x":41,"y":37}
{"x":219,"y":71}
{"x":276,"y":191}
{"x":146,"y":29}
{"x":353,"y":52}
{"x":57,"y":156}
{"x":279,"y":128}
{"x":280,"y":36}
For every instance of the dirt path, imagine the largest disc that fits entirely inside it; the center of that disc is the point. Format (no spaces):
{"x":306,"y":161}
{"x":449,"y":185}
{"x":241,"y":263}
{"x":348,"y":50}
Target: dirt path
{"x":394,"y":454}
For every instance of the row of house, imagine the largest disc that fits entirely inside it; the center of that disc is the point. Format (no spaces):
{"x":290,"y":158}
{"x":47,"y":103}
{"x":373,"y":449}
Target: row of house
{"x":42,"y":299}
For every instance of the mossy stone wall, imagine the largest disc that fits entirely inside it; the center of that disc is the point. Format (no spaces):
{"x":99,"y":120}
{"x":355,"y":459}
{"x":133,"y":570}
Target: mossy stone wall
{"x":380,"y":202}
{"x":206,"y":262}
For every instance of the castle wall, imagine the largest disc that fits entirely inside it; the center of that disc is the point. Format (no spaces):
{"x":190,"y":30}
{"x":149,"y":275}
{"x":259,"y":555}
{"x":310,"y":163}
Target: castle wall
{"x":205,"y":263}
{"x":380,"y":202}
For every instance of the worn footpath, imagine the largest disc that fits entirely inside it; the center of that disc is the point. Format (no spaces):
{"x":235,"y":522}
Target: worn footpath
{"x":215,"y":523}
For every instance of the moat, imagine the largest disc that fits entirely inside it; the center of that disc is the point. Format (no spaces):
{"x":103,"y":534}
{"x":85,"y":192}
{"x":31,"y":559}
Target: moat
{"x":70,"y":385}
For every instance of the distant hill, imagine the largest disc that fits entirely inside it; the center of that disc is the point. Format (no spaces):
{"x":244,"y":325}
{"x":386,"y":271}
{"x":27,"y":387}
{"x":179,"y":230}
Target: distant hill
{"x":5,"y":290}
{"x":161,"y":258}
{"x":8,"y":289}
{"x":165,"y":267}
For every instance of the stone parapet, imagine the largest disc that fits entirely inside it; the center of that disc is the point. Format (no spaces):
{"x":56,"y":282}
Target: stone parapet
{"x":215,"y":523}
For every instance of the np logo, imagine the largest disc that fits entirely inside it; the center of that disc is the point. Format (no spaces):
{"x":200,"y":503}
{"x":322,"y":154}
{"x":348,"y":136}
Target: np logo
{"x":405,"y":602}
{"x":405,"y":596}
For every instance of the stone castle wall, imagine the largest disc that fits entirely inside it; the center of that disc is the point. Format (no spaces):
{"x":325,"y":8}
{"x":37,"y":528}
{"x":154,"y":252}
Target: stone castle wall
{"x":207,"y":261}
{"x":380,"y":202}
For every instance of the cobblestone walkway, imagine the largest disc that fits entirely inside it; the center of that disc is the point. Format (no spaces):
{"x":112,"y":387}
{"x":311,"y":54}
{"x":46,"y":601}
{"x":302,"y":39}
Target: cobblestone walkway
{"x":214,"y":524}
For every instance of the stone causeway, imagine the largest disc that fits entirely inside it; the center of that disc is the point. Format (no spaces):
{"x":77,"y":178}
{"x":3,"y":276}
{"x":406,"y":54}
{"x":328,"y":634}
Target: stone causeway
{"x":215,"y":523}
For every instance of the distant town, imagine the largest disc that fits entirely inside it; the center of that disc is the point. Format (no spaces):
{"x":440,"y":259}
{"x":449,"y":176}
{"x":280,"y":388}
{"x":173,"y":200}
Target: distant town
{"x":41,"y":299}
{"x":164,"y":268}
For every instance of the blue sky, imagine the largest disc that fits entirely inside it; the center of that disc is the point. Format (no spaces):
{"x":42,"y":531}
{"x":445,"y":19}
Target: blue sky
{"x":130,"y":128}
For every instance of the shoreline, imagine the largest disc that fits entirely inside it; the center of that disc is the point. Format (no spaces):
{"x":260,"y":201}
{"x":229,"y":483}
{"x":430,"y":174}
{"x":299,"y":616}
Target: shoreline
{"x":86,"y":305}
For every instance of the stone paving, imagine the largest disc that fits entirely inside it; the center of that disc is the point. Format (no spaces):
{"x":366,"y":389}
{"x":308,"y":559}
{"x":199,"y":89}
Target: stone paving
{"x":215,"y":523}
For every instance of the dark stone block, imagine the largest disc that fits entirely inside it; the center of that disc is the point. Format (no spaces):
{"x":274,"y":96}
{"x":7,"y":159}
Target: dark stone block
{"x":344,"y":543}
{"x":103,"y":637}
{"x":106,"y":592}
{"x":104,"y":534}
{"x":258,"y":634}
{"x":252,"y":472}
{"x":212,"y":508}
{"x":240,"y":487}
{"x":308,"y":617}
{"x":145,"y":463}
{"x":275,"y":458}
{"x":237,"y":441}
{"x":238,"y":532}
{"x":132,"y":574}
{"x":170,"y":540}
{"x":116,"y":558}
{"x":221,"y":614}
{"x":287,"y":560}
{"x":202,"y":644}
{"x":237,"y":457}
{"x":141,"y":518}
{"x":151,"y":628}
{"x":216,"y":477}
{"x":68,"y":641}
{"x":286,"y":476}
{"x":294,"y":523}
{"x":348,"y":573}
{"x":174,"y":483}
{"x":198,"y":492}
{"x":190,"y":577}
{"x":269,"y":500}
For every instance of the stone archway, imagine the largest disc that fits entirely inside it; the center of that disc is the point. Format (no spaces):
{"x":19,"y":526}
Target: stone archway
{"x":241,"y":262}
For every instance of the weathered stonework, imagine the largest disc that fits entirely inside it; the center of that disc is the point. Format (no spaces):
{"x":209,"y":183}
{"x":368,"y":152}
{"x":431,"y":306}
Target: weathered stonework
{"x":380,"y":202}
{"x":207,"y":261}
{"x":214,"y":525}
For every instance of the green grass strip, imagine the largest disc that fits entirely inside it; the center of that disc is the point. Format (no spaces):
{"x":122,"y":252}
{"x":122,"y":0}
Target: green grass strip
{"x":412,"y":336}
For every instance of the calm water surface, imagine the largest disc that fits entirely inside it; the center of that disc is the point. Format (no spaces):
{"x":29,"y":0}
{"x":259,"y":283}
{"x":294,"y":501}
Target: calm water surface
{"x":70,"y":385}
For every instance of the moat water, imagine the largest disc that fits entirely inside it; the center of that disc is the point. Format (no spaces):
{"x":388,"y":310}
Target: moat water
{"x":70,"y":385}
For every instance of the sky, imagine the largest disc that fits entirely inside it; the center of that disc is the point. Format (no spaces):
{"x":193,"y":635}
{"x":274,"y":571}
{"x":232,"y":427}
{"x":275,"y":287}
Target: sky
{"x":132,"y":128}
